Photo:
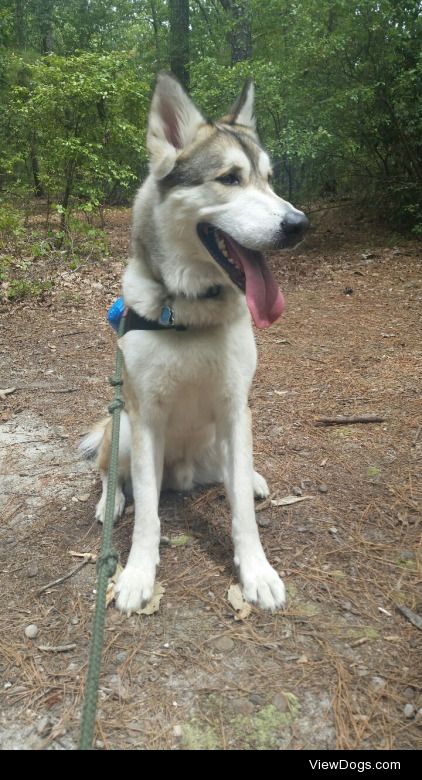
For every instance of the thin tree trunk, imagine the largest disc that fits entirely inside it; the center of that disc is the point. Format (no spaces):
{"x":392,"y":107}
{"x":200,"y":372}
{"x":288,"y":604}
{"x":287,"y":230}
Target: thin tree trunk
{"x":179,"y":40}
{"x":240,"y":36}
{"x":35,"y":168}
{"x":46,"y":27}
{"x":20,"y":23}
{"x":156,"y":28}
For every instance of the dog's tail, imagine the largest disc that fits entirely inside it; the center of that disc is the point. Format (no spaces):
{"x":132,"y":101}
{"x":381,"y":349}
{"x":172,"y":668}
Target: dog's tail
{"x":90,"y":443}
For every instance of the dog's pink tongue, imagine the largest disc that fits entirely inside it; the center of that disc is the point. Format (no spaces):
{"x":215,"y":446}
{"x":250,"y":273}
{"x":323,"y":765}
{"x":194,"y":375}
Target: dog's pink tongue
{"x":264,"y":299}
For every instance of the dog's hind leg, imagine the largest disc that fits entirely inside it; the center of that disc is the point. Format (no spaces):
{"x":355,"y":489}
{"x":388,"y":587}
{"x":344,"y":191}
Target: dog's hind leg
{"x":119,"y":503}
{"x":98,"y":443}
{"x":135,"y":585}
{"x":211,"y":470}
{"x":260,"y":487}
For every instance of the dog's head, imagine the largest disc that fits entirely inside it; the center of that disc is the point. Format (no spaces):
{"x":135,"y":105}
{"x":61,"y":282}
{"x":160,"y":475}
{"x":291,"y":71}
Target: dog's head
{"x":215,"y":193}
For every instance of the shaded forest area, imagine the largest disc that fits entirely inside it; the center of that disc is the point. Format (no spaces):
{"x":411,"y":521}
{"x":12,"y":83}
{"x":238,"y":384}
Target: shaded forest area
{"x":338,"y":96}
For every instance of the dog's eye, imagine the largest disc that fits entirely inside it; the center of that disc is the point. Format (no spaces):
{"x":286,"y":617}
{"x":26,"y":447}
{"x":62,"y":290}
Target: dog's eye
{"x":230,"y":179}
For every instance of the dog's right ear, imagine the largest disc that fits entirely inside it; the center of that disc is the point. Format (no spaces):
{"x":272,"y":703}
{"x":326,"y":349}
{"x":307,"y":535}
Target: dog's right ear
{"x":173,"y":123}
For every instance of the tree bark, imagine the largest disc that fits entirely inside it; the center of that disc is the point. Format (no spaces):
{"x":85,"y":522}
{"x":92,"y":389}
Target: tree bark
{"x":240,"y":36}
{"x":35,"y":168}
{"x":179,"y":40}
{"x":46,"y":26}
{"x":20,"y":23}
{"x":156,"y":28}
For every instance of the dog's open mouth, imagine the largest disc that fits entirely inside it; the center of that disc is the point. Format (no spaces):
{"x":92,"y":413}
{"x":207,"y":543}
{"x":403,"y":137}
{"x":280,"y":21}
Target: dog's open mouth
{"x":248,"y":270}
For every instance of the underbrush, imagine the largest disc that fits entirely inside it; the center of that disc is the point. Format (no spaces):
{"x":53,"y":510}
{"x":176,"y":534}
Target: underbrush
{"x":33,"y":250}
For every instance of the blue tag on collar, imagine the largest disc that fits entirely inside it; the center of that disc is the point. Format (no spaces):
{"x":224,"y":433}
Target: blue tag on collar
{"x":115,"y":313}
{"x":166,"y":318}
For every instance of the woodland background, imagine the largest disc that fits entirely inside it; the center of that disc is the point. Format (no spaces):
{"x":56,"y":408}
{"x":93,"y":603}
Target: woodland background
{"x":338,"y":98}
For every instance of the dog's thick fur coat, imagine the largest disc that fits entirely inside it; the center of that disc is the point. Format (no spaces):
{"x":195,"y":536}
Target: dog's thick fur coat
{"x":200,"y":221}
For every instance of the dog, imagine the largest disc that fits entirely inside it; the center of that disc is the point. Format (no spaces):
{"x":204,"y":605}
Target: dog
{"x":195,"y":280}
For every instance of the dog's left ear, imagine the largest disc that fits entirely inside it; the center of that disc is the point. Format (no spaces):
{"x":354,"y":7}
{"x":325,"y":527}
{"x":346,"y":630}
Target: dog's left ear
{"x":173,"y":124}
{"x":242,"y":111}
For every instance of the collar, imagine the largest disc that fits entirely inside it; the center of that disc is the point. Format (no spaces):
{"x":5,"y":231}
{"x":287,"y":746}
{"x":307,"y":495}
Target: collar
{"x":134,"y":321}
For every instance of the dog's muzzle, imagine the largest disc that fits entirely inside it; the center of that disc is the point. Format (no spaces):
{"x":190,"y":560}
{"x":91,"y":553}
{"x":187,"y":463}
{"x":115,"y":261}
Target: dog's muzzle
{"x":293,"y":228}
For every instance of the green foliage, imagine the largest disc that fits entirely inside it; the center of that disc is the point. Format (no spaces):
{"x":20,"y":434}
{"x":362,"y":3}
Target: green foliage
{"x":83,"y":116}
{"x":17,"y":289}
{"x":10,"y":222}
{"x":338,"y":95}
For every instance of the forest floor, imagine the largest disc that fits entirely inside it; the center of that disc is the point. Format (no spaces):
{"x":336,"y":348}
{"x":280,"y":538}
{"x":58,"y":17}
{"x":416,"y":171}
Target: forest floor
{"x":340,"y":667}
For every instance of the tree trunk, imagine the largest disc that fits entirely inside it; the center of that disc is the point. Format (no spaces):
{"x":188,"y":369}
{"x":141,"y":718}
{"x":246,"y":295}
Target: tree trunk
{"x":240,"y":36}
{"x":20,"y":23}
{"x":156,"y":28}
{"x":35,"y":168}
{"x":46,"y":26}
{"x":179,"y":40}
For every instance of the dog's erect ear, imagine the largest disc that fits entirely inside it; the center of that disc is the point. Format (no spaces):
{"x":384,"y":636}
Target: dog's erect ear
{"x":173,"y":123}
{"x":242,"y":111}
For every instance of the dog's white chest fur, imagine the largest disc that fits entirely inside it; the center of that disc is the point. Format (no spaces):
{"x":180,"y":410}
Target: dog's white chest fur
{"x":192,"y":379}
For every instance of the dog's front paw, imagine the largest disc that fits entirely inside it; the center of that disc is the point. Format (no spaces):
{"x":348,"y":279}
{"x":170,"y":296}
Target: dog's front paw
{"x":262,"y":585}
{"x":134,"y":588}
{"x":260,"y":487}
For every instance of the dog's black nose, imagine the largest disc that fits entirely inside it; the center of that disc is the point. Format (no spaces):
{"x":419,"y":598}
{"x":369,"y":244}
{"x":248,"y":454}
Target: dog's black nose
{"x":295,"y":224}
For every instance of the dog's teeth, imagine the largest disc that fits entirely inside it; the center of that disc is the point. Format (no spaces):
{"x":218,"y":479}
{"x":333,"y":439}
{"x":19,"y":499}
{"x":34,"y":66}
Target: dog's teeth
{"x":224,"y":251}
{"x":222,"y":247}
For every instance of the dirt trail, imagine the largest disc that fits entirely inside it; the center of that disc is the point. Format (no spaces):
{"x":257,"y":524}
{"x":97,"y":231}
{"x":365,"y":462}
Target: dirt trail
{"x":341,"y":666}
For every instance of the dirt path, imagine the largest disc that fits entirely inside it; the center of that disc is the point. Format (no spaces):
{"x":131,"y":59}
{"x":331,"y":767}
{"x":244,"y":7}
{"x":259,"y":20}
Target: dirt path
{"x":341,"y":666}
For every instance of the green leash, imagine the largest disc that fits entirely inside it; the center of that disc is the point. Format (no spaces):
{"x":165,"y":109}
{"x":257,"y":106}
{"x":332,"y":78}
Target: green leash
{"x":106,"y":564}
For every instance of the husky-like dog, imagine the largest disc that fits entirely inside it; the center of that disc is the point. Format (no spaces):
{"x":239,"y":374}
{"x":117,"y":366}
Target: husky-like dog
{"x":196,"y":276}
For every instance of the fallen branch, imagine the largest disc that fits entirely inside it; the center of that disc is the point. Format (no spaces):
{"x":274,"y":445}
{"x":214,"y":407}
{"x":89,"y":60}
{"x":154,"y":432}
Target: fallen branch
{"x":7,"y":391}
{"x":358,"y":418}
{"x":414,"y":619}
{"x":65,"y":577}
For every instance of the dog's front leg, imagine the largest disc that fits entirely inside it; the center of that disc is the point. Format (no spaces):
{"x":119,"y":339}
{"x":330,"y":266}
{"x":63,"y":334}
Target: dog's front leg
{"x":135,"y":585}
{"x":261,"y":584}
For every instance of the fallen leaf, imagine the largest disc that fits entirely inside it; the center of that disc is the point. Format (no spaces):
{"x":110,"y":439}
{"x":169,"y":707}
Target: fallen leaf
{"x":303,"y":659}
{"x":154,"y":604}
{"x":236,"y":600}
{"x":373,"y":471}
{"x":180,"y":541}
{"x":6,"y":391}
{"x":110,"y":593}
{"x":288,"y":500}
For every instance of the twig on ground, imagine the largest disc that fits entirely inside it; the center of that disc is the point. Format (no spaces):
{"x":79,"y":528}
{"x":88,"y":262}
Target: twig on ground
{"x":64,"y":390}
{"x":7,"y":391}
{"x":56,"y":648}
{"x":358,"y":418}
{"x":418,"y":433}
{"x":65,"y":577}
{"x":410,"y":615}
